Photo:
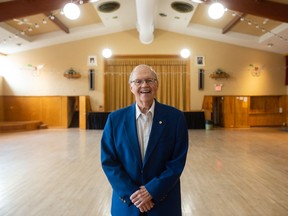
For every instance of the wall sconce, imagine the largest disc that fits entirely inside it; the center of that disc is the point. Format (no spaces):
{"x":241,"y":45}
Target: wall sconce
{"x":185,"y":53}
{"x":255,"y":70}
{"x":107,"y":53}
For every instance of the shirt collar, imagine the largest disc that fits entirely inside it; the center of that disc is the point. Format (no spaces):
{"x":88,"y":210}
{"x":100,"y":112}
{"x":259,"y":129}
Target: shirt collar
{"x":151,"y":110}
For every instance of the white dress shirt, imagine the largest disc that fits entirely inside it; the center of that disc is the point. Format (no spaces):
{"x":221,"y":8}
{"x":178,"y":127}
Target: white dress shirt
{"x":144,"y":124}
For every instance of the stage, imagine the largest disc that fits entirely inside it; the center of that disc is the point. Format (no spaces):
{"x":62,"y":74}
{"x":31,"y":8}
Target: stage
{"x":97,"y":120}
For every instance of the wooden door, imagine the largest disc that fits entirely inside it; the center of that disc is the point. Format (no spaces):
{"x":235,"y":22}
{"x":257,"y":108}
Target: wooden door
{"x":241,"y":114}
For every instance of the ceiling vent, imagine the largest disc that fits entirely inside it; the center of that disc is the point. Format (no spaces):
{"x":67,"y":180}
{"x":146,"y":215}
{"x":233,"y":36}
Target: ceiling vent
{"x":182,"y":7}
{"x":109,"y":7}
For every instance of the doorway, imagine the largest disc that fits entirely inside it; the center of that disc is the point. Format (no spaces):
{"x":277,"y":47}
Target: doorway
{"x":217,"y":114}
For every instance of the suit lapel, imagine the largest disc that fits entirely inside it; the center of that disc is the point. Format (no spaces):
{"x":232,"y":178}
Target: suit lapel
{"x":131,"y":131}
{"x":159,"y":123}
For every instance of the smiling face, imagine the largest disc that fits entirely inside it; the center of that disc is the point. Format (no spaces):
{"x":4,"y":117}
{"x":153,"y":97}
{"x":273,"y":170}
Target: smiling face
{"x":144,"y":85}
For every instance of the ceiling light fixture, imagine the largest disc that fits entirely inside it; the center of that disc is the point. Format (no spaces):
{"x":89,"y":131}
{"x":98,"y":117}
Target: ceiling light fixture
{"x":216,"y":10}
{"x":185,"y":53}
{"x":261,"y":28}
{"x":31,"y":27}
{"x":71,"y":11}
{"x":265,"y":21}
{"x":270,"y":45}
{"x":107,"y":53}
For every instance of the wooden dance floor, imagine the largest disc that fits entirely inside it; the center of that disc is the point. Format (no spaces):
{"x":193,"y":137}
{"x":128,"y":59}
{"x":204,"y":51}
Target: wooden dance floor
{"x":229,"y":172}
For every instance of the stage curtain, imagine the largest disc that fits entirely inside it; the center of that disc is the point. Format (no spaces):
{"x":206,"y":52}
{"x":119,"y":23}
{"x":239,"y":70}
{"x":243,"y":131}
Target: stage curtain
{"x":173,"y":77}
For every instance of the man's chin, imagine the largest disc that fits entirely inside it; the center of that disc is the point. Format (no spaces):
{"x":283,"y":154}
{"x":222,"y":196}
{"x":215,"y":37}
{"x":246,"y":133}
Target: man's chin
{"x":146,"y":98}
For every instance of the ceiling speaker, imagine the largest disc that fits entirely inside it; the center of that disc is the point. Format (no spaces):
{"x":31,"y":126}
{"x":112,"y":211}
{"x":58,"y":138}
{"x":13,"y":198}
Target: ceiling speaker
{"x":182,"y":7}
{"x":108,"y":7}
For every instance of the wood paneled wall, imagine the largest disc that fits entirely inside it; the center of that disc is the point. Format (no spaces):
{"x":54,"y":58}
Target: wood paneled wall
{"x":51,"y":110}
{"x":228,"y":110}
{"x":207,"y":106}
{"x":268,"y":110}
{"x":287,"y":110}
{"x":84,"y":108}
{"x":246,"y":111}
{"x":1,"y":109}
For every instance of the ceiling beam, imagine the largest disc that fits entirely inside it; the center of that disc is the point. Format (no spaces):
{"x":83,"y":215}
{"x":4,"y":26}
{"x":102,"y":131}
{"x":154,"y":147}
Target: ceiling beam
{"x":23,"y":8}
{"x":232,"y":23}
{"x":262,"y":8}
{"x":61,"y":25}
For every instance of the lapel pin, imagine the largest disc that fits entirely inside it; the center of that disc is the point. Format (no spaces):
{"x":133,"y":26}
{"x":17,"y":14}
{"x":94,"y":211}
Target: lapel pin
{"x":160,"y":122}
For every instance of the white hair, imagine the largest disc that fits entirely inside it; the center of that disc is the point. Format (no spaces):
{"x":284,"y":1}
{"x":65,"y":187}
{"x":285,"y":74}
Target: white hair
{"x":142,"y":67}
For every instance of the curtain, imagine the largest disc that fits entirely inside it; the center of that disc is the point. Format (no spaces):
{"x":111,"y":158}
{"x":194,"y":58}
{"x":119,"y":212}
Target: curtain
{"x":173,"y":78}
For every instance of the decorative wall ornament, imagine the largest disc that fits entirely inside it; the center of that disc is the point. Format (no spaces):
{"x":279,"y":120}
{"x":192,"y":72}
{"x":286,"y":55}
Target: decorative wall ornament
{"x":36,"y":70}
{"x":255,"y":70}
{"x":219,"y":73}
{"x":71,"y":73}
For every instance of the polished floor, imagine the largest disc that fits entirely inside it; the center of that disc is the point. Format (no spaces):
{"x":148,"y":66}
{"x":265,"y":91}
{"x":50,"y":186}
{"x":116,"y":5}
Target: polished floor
{"x":229,"y":172}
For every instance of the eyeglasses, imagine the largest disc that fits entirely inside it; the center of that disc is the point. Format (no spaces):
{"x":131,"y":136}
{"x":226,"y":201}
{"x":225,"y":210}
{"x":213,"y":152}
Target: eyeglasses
{"x":147,"y":81}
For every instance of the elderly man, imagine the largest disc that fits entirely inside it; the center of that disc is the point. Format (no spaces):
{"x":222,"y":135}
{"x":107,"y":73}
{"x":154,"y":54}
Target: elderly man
{"x":143,"y":152}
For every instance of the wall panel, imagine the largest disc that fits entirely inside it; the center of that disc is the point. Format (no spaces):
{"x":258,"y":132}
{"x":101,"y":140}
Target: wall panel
{"x":51,"y":110}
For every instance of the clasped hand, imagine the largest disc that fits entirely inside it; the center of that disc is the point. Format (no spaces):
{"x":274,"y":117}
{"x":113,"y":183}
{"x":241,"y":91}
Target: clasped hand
{"x":142,"y":199}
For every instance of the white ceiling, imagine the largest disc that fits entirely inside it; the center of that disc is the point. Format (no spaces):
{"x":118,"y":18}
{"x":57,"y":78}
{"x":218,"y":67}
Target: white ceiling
{"x":195,"y":23}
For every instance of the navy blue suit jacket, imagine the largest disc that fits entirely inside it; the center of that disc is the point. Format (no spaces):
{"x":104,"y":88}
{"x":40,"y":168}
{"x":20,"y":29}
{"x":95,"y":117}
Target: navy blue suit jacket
{"x":162,"y":166}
